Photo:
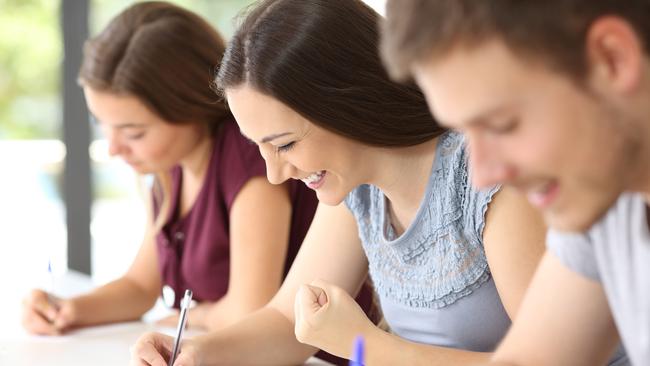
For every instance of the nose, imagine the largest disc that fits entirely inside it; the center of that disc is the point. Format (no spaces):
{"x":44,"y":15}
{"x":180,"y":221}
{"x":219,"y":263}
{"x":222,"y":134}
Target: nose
{"x":278,"y":172}
{"x":486,"y":165}
{"x":277,"y":169}
{"x":114,"y":145}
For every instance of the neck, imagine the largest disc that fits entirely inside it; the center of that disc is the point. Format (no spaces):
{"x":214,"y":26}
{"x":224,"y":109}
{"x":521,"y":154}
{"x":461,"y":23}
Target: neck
{"x":195,"y":164}
{"x":639,"y":108}
{"x":403,"y":173}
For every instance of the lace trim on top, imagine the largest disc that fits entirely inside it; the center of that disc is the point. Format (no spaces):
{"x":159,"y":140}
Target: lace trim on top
{"x":440,"y":258}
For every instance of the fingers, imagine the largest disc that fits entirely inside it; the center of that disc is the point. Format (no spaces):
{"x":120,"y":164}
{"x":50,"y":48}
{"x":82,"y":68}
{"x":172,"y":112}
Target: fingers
{"x":65,"y":317}
{"x":150,"y":348}
{"x":326,"y":286}
{"x":35,"y":323}
{"x":310,"y":301}
{"x":185,"y":359}
{"x":39,"y":313}
{"x":313,"y":297}
{"x":332,"y":294}
{"x":40,"y":302}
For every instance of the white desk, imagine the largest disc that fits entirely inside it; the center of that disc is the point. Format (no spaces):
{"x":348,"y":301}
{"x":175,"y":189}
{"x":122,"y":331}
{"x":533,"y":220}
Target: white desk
{"x":103,"y":345}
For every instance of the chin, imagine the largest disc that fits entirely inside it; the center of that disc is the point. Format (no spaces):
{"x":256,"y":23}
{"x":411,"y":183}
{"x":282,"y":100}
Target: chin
{"x":329,"y":199}
{"x":143,"y":170}
{"x":574,"y":220}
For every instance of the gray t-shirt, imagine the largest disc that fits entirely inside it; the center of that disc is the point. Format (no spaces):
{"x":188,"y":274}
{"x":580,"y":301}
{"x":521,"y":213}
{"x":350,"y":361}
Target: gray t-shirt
{"x":433,"y":281}
{"x":616,"y":252}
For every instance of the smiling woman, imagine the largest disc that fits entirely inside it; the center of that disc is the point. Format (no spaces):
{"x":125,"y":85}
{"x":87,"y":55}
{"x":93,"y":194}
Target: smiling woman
{"x":304,"y":81}
{"x":146,"y":81}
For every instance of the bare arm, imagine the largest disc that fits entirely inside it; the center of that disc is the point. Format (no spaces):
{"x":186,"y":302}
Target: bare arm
{"x":126,"y":298}
{"x":513,"y":238}
{"x":514,"y":244}
{"x":260,"y":222}
{"x":331,"y":251}
{"x":329,"y":318}
{"x":564,"y":320}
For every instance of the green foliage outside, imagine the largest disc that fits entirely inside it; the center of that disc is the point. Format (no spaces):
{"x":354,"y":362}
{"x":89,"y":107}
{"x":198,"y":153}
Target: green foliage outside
{"x":30,"y":63}
{"x":31,"y":56}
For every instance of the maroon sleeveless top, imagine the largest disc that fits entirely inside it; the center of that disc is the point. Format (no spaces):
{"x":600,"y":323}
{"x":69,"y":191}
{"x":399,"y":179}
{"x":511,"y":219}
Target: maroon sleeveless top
{"x":194,"y":250}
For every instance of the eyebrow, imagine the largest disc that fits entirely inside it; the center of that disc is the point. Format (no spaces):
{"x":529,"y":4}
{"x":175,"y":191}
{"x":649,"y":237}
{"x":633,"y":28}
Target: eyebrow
{"x":130,"y":125}
{"x":484,"y":118}
{"x":274,"y":136}
{"x":120,"y":126}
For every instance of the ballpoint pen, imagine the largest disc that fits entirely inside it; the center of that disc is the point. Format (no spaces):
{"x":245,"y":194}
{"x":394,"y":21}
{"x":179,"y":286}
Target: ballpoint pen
{"x":50,"y":285}
{"x":358,"y":352}
{"x":182,"y":319}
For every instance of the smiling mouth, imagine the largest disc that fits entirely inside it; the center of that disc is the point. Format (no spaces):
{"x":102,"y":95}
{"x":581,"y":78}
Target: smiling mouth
{"x":542,"y":196}
{"x":315,"y":180}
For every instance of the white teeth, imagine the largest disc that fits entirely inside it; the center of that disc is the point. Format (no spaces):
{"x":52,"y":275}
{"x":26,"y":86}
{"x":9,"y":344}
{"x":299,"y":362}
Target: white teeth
{"x":314,"y":177}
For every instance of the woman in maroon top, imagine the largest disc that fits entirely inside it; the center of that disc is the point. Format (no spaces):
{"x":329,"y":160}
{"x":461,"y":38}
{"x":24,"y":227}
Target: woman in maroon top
{"x":218,"y":226}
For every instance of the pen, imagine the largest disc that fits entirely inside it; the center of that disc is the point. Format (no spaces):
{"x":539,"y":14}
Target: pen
{"x":50,"y":277}
{"x":50,"y":284}
{"x":182,"y":319}
{"x":358,"y":352}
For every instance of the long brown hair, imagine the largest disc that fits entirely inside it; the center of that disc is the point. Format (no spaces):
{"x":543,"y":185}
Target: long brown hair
{"x":321,"y":58}
{"x":165,"y":56}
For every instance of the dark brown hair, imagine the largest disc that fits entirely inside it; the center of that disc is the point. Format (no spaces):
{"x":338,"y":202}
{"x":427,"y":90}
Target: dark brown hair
{"x":165,"y":56}
{"x":552,"y":31}
{"x":321,"y":59}
{"x":162,"y":54}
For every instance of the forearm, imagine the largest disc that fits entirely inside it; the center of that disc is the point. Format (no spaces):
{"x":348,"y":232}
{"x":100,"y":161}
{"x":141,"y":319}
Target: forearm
{"x":223,"y":313}
{"x":266,"y":337}
{"x":387,"y":349}
{"x":119,"y":300}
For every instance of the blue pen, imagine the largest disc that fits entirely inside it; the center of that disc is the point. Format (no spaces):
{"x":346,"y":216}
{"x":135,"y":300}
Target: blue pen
{"x":358,"y":352}
{"x":50,"y":283}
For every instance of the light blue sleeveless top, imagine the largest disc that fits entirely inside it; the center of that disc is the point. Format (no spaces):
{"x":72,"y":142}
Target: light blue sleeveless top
{"x":433,"y":281}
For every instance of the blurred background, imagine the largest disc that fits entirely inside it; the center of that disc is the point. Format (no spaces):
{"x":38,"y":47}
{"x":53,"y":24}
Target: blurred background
{"x":79,"y":210}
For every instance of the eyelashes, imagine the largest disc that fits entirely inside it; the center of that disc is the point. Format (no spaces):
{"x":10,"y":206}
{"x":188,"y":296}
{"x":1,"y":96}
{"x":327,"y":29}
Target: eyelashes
{"x":286,"y":147}
{"x":136,"y":136}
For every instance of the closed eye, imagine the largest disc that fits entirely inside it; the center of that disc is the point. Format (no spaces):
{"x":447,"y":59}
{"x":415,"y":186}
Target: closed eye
{"x":136,"y":136}
{"x":286,"y":147}
{"x":504,"y":128}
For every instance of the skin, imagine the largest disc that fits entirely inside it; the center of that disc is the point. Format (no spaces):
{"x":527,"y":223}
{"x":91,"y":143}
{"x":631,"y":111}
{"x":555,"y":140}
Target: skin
{"x":323,"y":314}
{"x":532,"y":128}
{"x":151,"y":145}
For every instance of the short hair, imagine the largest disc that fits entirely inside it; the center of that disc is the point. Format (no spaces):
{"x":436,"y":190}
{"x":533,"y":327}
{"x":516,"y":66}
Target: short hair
{"x":553,"y":31}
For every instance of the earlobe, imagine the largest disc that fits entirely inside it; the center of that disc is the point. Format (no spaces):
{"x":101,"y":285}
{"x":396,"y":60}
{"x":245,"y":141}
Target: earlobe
{"x":614,"y":54}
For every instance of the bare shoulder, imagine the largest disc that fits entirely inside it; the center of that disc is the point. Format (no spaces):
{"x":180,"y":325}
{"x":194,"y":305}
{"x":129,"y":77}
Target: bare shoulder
{"x":511,"y":213}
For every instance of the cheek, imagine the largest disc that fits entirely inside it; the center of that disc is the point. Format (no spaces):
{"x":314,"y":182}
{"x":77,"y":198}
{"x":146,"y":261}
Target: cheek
{"x":156,"y":152}
{"x":307,"y":157}
{"x":547,"y":139}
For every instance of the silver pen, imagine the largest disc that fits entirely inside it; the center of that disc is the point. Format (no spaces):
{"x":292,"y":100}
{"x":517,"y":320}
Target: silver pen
{"x":182,"y":320}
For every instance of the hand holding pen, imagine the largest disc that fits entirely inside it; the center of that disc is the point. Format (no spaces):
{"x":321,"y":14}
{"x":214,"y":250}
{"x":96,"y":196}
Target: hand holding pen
{"x":182,"y":320}
{"x":45,"y":314}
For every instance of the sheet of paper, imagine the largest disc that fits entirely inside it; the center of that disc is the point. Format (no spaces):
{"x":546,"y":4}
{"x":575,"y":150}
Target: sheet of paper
{"x":107,"y":345}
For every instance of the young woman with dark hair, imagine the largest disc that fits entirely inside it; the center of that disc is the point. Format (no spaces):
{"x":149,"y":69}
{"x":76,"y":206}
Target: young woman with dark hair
{"x":218,"y":226}
{"x":449,"y":263}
